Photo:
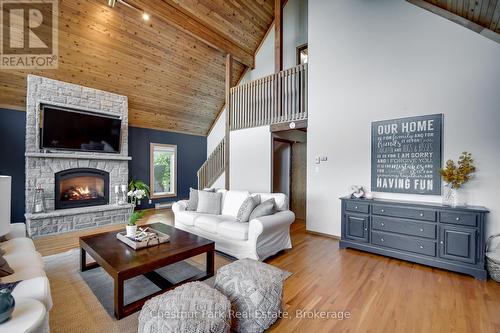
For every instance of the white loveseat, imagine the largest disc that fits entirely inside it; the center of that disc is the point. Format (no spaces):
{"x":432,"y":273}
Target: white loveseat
{"x":28,"y":268}
{"x":257,"y":239}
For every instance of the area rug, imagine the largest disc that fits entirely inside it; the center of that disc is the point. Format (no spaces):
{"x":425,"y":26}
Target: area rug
{"x":83,"y":301}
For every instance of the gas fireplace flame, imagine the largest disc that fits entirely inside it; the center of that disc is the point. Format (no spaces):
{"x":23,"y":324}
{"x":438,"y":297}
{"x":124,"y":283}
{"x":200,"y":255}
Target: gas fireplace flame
{"x":80,"y":193}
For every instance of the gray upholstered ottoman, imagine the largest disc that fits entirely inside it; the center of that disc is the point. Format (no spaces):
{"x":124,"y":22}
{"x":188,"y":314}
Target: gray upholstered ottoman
{"x":255,"y":291}
{"x":193,"y":307}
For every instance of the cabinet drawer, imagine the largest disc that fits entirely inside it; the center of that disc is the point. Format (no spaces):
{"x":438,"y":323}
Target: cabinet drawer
{"x":405,"y":212}
{"x":469,"y":219}
{"x":358,"y":207}
{"x":407,"y":227}
{"x":420,"y":246}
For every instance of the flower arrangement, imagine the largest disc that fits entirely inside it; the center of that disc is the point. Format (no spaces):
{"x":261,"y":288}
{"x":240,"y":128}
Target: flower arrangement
{"x":456,"y":175}
{"x":137,"y":190}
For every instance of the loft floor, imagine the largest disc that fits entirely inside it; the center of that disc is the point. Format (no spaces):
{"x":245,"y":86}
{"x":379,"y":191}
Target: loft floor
{"x":381,"y":294}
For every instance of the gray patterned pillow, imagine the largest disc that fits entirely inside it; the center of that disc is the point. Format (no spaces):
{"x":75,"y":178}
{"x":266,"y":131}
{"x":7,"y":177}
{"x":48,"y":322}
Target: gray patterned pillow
{"x":193,"y":199}
{"x":209,"y":202}
{"x":247,"y":208}
{"x":265,"y":208}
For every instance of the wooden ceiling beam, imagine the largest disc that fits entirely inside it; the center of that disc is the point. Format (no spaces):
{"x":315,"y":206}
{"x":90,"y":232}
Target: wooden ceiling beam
{"x":278,"y":36}
{"x":169,"y":11}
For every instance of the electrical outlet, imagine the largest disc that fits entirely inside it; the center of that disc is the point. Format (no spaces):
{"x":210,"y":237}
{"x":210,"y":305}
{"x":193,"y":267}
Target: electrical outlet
{"x":324,"y":158}
{"x":317,"y":160}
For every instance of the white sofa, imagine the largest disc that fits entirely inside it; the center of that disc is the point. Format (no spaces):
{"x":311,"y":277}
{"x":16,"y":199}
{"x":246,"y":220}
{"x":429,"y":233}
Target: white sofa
{"x":257,"y":239}
{"x":28,"y":268}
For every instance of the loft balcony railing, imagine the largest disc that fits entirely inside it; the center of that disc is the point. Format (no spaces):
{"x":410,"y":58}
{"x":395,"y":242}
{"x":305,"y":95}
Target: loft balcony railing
{"x":277,"y":98}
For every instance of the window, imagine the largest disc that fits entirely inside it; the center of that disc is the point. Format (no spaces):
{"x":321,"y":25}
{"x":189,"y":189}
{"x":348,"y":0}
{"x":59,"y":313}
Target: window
{"x":302,"y":54}
{"x":163,"y":170}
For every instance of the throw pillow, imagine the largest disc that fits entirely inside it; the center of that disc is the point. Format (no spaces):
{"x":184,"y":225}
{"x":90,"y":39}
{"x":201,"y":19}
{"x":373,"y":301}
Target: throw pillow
{"x":193,"y":199}
{"x":209,"y":202}
{"x":265,"y":208}
{"x":5,"y":269}
{"x":247,"y":208}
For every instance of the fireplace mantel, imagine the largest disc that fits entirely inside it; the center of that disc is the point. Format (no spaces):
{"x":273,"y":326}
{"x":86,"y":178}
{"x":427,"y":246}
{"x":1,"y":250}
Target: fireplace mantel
{"x":100,"y":156}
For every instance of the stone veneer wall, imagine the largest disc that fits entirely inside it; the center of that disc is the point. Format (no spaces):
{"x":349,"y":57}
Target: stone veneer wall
{"x":42,"y":165}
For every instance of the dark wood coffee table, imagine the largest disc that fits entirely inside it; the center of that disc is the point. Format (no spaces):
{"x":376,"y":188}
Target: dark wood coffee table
{"x":123,"y":262}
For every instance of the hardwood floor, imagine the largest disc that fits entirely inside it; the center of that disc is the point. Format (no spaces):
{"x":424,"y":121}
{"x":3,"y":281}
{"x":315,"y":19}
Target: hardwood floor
{"x":372,"y":293}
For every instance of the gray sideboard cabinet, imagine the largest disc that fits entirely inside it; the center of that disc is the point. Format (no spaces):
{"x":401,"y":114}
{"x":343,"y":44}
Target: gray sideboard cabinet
{"x":426,"y":233}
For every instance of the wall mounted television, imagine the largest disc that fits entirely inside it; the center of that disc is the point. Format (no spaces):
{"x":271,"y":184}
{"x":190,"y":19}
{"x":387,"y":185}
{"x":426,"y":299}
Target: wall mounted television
{"x":78,"y":130}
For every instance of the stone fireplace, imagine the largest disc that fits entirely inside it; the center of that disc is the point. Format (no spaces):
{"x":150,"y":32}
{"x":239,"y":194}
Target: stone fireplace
{"x":77,"y":186}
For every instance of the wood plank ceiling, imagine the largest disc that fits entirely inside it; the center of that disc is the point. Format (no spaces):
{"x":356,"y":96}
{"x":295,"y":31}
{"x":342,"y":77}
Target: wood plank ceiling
{"x":486,"y":13}
{"x":173,"y":80}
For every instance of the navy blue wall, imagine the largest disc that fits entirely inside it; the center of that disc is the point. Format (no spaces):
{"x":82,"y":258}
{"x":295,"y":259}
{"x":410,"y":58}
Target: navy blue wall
{"x":191,"y":153}
{"x":12,"y":133}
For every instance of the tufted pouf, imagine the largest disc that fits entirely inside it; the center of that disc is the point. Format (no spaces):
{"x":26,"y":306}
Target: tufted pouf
{"x":255,"y":291}
{"x":193,"y":307}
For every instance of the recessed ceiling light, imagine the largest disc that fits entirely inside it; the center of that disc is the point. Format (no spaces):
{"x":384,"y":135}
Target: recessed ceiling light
{"x":145,"y":16}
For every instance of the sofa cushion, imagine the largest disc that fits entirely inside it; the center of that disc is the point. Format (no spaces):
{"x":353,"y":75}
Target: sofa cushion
{"x":280,"y":199}
{"x":233,"y":230}
{"x":36,"y":288}
{"x":17,"y":245}
{"x":233,"y":201}
{"x":209,"y":203}
{"x":26,"y":265}
{"x":188,"y":218}
{"x":208,"y":223}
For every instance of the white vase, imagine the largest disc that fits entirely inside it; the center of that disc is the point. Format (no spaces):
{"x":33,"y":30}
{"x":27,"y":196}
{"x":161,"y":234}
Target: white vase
{"x":131,"y":230}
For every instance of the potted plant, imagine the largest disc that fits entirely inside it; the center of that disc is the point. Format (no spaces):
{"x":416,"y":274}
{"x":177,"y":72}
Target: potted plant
{"x":132,"y":223}
{"x":138,"y":190}
{"x":455,"y":176}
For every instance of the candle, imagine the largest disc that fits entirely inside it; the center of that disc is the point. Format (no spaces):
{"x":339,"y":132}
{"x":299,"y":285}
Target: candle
{"x":38,"y":208}
{"x":116,"y":189}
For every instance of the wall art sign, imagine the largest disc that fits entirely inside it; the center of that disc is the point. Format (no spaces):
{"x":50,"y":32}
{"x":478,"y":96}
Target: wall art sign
{"x":407,"y":155}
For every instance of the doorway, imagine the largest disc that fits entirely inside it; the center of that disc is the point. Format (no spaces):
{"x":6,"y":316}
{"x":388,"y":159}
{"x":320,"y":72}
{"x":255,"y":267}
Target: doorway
{"x":289,"y":170}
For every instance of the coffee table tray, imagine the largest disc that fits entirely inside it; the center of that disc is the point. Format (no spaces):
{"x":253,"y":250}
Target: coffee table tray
{"x":159,"y":238}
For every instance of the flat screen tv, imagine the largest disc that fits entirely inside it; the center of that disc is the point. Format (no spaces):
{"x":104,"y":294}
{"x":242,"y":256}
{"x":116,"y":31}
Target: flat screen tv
{"x":71,"y":129}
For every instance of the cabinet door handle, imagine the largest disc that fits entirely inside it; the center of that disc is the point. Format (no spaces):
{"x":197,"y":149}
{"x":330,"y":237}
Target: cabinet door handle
{"x":366,"y":229}
{"x":382,"y":211}
{"x":441,"y":242}
{"x":421,"y":246}
{"x":381,"y":239}
{"x":421,"y":230}
{"x":458,"y":219}
{"x":355,"y":207}
{"x":421,"y":214}
{"x":382,"y":224}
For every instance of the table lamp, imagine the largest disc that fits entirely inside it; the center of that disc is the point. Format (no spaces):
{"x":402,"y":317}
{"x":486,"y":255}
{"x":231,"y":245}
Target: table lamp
{"x":5,"y":190}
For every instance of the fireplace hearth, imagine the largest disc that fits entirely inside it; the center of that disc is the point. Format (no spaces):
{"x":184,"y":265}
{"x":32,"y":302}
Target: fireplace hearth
{"x":81,"y":187}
